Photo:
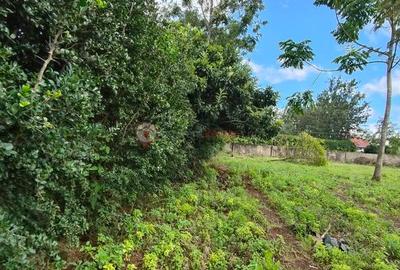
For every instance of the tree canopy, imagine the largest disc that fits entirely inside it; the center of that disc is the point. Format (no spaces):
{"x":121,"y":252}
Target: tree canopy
{"x":338,"y":111}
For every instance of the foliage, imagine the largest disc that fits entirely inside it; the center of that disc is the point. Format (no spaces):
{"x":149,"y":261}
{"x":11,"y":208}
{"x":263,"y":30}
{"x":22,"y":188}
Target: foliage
{"x":372,"y":148}
{"x":394,"y":145}
{"x":339,"y":196}
{"x":226,"y":23}
{"x":194,"y":226}
{"x":352,"y":17}
{"x":76,"y":79}
{"x":295,"y":54}
{"x":298,"y":103}
{"x":309,"y":150}
{"x":338,"y":111}
{"x":340,"y":145}
{"x":17,"y":247}
{"x":227,"y":96}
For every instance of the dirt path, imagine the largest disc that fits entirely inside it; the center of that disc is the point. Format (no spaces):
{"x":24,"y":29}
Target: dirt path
{"x":294,"y":257}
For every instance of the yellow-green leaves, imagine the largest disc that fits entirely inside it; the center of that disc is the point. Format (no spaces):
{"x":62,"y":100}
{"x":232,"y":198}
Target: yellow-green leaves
{"x":53,"y":94}
{"x":24,"y":103}
{"x":101,"y":3}
{"x":24,"y":94}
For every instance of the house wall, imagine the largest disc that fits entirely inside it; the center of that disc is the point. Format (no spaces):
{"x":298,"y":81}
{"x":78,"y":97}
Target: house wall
{"x":278,"y":151}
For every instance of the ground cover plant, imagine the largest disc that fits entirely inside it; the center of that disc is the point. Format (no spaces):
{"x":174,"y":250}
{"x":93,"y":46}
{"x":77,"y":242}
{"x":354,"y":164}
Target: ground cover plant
{"x":338,"y":196}
{"x":210,"y":224}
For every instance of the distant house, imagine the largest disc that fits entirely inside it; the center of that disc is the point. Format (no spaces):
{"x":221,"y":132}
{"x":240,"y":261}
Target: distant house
{"x":360,"y":144}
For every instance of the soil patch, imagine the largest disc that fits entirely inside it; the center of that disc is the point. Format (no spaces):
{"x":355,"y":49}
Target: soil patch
{"x":294,"y":257}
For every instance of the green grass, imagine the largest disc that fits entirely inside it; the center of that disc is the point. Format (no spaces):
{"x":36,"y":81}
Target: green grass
{"x":215,"y":223}
{"x":341,"y":196}
{"x":210,"y":224}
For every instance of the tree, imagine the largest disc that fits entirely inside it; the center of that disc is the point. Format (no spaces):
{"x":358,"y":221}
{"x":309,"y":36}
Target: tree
{"x":224,"y":21}
{"x":392,"y":142}
{"x":352,"y":16}
{"x":227,"y":96}
{"x":338,"y":111}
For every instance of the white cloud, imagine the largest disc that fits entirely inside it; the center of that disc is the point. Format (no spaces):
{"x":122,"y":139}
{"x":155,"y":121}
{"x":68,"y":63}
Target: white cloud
{"x":375,"y":36}
{"x":277,"y":75}
{"x":379,"y":85}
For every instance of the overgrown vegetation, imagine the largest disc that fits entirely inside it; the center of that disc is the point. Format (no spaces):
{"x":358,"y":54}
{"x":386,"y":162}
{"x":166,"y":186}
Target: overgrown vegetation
{"x":76,"y":80}
{"x":340,"y":197}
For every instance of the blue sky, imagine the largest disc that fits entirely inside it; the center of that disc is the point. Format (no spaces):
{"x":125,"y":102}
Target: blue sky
{"x":300,"y":20}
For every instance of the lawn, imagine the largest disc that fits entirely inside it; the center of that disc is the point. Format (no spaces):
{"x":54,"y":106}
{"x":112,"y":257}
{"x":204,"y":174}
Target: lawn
{"x":340,"y":197}
{"x":258,"y":213}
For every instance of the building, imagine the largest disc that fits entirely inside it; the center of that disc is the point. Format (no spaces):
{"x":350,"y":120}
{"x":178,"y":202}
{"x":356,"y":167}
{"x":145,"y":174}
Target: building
{"x":360,"y":143}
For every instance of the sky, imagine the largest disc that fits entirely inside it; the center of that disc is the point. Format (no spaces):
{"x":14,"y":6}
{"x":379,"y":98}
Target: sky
{"x":300,"y":20}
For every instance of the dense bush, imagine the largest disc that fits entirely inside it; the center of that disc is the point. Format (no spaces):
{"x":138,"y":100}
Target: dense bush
{"x":309,"y":150}
{"x":76,"y":80}
{"x":371,"y":149}
{"x":339,"y":145}
{"x":17,"y":247}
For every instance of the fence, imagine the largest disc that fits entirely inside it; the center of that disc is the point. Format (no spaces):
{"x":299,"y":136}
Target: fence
{"x":281,"y":151}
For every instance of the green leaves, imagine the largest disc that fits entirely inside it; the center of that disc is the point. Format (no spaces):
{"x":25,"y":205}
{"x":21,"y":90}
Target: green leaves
{"x":337,"y":111}
{"x":24,"y":103}
{"x":295,"y":54}
{"x":352,"y":61}
{"x":6,"y":146}
{"x":298,"y":103}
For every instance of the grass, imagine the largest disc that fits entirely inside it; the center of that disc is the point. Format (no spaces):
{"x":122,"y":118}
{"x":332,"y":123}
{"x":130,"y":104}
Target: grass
{"x":259,"y":213}
{"x":340,"y":196}
{"x":211,"y":224}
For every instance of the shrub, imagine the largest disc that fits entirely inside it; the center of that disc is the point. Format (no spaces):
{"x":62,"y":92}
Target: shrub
{"x":20,"y":249}
{"x":372,"y":148}
{"x":309,"y":150}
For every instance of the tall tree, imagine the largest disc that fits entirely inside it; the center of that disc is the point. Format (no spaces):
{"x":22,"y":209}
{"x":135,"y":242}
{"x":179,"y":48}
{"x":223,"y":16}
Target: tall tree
{"x":338,"y":111}
{"x":224,"y":21}
{"x":227,"y":96}
{"x":352,"y":17}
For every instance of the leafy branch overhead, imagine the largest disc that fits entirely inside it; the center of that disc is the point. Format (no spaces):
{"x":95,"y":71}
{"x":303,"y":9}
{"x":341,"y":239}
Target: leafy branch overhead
{"x":295,"y":54}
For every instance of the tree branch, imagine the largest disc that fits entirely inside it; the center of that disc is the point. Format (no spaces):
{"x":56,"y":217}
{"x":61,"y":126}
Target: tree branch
{"x":395,"y":64}
{"x":127,"y":19}
{"x":378,"y":51}
{"x":52,"y":47}
{"x":320,"y":69}
{"x":376,"y":62}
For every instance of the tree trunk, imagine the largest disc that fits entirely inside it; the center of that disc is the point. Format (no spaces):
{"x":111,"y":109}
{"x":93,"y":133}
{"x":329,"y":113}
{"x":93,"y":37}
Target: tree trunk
{"x":381,"y":152}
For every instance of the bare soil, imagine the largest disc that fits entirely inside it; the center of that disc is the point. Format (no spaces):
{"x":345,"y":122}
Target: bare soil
{"x":294,"y":256}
